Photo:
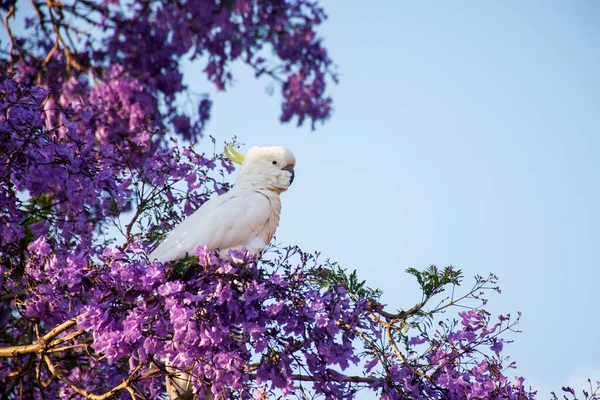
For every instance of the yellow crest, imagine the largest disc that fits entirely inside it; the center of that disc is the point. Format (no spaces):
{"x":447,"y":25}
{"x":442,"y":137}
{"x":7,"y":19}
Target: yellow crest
{"x":233,"y":154}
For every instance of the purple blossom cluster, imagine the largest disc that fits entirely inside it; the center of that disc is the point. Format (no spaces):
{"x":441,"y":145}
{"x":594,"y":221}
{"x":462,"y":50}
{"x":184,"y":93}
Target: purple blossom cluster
{"x":124,"y":57}
{"x":191,"y":324}
{"x":53,"y":176}
{"x":458,"y":363}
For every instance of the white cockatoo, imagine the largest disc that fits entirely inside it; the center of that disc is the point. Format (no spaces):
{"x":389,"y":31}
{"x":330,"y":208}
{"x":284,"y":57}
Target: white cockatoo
{"x":245,"y":217}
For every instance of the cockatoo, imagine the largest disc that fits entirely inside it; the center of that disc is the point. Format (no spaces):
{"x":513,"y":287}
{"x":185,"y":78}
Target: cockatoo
{"x":245,"y":217}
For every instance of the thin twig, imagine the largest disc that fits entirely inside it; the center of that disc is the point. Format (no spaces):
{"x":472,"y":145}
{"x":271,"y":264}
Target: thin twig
{"x":68,"y":337}
{"x":13,"y":40}
{"x":65,"y":348}
{"x":351,"y":379}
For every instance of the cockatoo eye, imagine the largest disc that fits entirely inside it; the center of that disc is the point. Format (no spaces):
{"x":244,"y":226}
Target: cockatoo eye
{"x":274,"y":162}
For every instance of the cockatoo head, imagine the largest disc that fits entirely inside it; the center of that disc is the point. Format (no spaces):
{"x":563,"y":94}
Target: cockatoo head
{"x":270,"y":168}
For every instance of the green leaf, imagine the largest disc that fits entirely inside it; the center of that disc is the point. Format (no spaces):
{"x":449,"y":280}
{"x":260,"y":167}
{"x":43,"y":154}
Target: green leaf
{"x":433,"y":281}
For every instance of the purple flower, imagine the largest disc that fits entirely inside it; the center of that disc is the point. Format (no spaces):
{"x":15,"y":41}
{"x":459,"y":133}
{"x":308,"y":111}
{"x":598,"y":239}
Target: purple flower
{"x":497,"y":346}
{"x":40,"y":246}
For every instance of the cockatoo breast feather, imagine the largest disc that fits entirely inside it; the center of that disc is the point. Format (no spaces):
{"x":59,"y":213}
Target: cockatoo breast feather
{"x":241,"y":218}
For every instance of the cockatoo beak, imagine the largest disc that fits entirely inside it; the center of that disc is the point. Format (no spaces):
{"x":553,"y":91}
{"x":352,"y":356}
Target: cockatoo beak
{"x":233,"y":154}
{"x":289,"y":169}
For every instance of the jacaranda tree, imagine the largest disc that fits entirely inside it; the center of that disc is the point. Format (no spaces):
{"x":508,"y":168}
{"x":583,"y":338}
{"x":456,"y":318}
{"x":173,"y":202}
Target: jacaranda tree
{"x":97,"y":163}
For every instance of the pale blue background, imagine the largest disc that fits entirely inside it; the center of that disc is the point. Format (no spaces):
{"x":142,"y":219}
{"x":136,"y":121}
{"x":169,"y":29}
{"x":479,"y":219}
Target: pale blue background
{"x":464,"y":133}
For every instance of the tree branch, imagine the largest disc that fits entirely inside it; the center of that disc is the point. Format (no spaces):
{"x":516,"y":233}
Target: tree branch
{"x":44,"y":343}
{"x":13,"y":40}
{"x":124,"y":385}
{"x":390,"y":338}
{"x":351,"y":379}
{"x":11,"y":296}
{"x":402,"y":314}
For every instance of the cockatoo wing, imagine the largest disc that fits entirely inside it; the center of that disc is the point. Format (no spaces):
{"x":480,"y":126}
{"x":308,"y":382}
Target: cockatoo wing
{"x":239,"y":218}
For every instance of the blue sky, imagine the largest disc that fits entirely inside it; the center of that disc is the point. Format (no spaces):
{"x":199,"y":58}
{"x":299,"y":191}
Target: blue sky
{"x":464,"y":133}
